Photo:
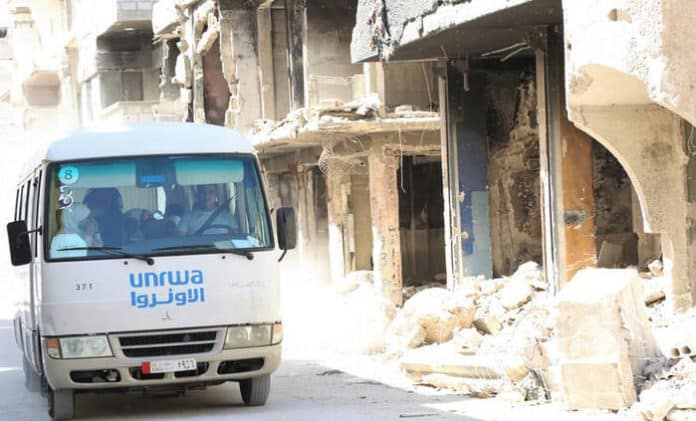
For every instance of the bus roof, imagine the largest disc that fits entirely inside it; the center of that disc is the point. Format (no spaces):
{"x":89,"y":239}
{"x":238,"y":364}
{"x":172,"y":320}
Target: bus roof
{"x":137,"y":139}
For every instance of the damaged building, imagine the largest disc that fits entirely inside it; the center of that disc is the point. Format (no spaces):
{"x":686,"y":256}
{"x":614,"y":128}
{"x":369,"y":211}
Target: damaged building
{"x":559,"y":147}
{"x":428,"y":150}
{"x":355,"y":148}
{"x":81,"y":63}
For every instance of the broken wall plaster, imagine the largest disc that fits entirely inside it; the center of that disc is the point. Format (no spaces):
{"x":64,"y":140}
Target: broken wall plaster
{"x":513,"y":170}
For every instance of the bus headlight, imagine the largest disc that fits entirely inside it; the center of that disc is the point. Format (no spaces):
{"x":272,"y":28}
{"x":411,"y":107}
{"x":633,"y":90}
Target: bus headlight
{"x":85,"y":347}
{"x":248,"y":336}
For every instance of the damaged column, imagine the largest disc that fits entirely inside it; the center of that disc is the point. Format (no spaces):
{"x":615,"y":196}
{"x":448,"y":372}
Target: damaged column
{"x":240,"y":64}
{"x":386,"y":242}
{"x":337,"y":185}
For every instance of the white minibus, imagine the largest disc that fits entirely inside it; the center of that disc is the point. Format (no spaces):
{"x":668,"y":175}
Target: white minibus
{"x":149,"y":263}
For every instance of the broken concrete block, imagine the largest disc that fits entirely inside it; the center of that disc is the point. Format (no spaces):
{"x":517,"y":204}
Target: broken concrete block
{"x":467,"y":341}
{"x":656,"y":268}
{"x":656,"y":402}
{"x":604,"y":337}
{"x":440,"y":312}
{"x":489,"y":317}
{"x":490,"y":286}
{"x":445,"y":359}
{"x":529,"y":271}
{"x":654,"y":290}
{"x":404,"y":333}
{"x":515,"y":294}
{"x":533,"y":387}
{"x":596,"y":384}
{"x":681,"y":415}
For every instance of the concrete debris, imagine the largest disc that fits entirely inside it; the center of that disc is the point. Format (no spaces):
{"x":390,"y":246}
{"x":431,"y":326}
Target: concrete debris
{"x":443,"y":359}
{"x":671,"y":395}
{"x":515,"y":293}
{"x":361,"y":319}
{"x":362,"y":109}
{"x":656,"y":402}
{"x":467,"y":341}
{"x":440,"y":312}
{"x":476,"y":387}
{"x":406,"y":108}
{"x":656,"y":268}
{"x":410,"y":291}
{"x":489,"y":317}
{"x":503,"y":353}
{"x":532,"y":387}
{"x":681,"y":415}
{"x":404,"y":333}
{"x":604,"y":337}
{"x":354,"y":280}
{"x":489,"y":286}
{"x":654,"y":290}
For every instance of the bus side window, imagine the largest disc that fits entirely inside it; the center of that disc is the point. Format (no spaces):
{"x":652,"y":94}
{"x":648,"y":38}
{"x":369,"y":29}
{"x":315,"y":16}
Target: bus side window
{"x":37,"y":196}
{"x":21,"y":204}
{"x":16,"y":209}
{"x":28,"y":201}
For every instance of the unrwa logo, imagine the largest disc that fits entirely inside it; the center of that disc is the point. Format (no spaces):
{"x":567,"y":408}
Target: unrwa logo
{"x":174,"y":278}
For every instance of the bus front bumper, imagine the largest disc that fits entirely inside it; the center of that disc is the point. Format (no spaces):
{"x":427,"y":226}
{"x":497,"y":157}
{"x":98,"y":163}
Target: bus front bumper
{"x":128,"y":373}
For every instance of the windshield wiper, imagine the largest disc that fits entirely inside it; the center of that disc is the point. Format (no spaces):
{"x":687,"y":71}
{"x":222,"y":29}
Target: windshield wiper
{"x":246,"y":253}
{"x":114,"y":251}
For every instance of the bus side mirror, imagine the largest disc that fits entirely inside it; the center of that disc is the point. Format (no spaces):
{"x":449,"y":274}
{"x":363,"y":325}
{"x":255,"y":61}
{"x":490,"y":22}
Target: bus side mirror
{"x":18,"y":236}
{"x":287,"y":229}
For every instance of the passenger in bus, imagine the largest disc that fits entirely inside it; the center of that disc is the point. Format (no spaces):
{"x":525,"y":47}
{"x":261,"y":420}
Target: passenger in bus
{"x":69,"y":235}
{"x":106,"y":205}
{"x":208,"y":206}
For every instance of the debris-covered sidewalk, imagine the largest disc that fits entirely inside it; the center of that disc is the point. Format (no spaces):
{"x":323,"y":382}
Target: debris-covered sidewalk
{"x":604,"y":342}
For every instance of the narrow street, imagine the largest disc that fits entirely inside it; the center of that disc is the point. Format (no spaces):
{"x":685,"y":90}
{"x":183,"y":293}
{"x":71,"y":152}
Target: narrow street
{"x":301,"y":390}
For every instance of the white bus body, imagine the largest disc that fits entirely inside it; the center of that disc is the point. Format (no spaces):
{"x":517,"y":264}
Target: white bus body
{"x":191,"y":308}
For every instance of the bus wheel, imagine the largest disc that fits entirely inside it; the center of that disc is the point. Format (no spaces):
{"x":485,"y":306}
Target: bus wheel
{"x":32,"y":381}
{"x":255,"y":391}
{"x":61,"y":404}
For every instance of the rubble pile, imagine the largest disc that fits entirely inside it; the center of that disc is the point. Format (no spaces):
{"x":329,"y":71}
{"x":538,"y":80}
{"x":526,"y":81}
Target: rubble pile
{"x":486,"y":338}
{"x":669,"y":387}
{"x":360,"y":316}
{"x":308,"y":118}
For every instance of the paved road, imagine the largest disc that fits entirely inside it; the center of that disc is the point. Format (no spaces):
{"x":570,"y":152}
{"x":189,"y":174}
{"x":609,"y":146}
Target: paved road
{"x":301,"y":390}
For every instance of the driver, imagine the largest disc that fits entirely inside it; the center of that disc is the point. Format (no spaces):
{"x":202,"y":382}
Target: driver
{"x":208,"y":206}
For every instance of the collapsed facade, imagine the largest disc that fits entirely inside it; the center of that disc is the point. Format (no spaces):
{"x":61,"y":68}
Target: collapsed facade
{"x":613,"y":115}
{"x":354,"y":148}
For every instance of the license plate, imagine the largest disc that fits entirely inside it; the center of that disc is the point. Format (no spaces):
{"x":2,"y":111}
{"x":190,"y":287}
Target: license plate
{"x":168,"y":366}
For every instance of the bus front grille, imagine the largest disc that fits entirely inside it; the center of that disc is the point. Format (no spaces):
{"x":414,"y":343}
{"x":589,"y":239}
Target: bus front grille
{"x":170,"y":343}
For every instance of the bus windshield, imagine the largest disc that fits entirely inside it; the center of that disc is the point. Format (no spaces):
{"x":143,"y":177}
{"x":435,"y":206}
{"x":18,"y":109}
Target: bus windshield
{"x":155,"y":206}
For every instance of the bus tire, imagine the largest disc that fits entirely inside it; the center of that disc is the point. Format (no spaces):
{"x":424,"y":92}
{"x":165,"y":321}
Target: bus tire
{"x":61,"y":404}
{"x":32,"y":381}
{"x":255,"y":391}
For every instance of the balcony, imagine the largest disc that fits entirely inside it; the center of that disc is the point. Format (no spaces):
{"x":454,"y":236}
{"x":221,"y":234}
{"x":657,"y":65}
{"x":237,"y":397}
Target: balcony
{"x":120,"y":15}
